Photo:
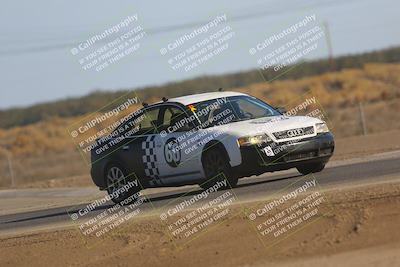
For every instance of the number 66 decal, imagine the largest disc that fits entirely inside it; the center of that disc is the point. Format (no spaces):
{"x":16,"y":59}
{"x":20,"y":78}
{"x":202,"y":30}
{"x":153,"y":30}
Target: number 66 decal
{"x":172,"y":153}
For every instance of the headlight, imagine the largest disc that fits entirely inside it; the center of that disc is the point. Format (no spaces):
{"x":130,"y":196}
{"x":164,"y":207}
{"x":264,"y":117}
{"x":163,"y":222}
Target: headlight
{"x":321,"y":128}
{"x":253,"y":140}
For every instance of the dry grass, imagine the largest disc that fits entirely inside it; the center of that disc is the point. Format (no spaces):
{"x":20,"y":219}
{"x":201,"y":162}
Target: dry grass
{"x":44,"y":150}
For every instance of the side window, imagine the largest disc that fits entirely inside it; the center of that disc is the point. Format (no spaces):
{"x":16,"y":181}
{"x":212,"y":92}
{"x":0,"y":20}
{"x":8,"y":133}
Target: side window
{"x":175,"y":120}
{"x":222,"y":114}
{"x":251,"y":109}
{"x":132,"y":126}
{"x":149,"y":122}
{"x":169,"y":113}
{"x":214,"y":112}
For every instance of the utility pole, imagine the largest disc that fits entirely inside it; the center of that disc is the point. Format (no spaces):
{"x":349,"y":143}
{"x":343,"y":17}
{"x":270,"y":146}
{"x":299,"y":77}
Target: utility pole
{"x":329,"y":44}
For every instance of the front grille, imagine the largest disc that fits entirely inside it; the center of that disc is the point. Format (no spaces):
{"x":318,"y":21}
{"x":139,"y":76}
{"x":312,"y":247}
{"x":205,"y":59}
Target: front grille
{"x":291,"y":157}
{"x":294,"y":133}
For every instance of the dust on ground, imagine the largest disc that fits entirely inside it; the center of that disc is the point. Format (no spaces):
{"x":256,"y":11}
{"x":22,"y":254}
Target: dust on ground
{"x":361,"y":229}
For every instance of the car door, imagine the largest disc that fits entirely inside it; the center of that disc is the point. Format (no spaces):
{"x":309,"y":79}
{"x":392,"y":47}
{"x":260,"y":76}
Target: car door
{"x":137,"y":151}
{"x":177,"y":164}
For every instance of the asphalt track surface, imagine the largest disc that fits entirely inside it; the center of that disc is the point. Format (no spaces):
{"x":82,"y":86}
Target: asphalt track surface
{"x":248,"y":188}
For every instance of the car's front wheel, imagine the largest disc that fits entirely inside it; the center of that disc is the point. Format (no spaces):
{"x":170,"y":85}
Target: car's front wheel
{"x":311,"y":168}
{"x":217,"y":168}
{"x":117,"y":181}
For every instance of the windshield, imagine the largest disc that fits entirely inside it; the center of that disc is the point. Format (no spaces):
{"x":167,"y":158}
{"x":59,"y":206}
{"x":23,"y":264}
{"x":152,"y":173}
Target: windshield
{"x":231,"y":109}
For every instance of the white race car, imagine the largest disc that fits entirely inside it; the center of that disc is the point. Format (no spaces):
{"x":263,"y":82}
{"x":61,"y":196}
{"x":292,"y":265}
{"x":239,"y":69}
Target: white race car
{"x":205,"y":138}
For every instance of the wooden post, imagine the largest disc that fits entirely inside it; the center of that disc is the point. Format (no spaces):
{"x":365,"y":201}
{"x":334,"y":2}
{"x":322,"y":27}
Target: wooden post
{"x":362,"y":117}
{"x":10,"y":167}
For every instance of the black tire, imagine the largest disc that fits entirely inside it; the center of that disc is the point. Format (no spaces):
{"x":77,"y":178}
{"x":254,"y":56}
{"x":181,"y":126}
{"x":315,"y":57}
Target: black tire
{"x":217,"y":168}
{"x":116,"y":177}
{"x":311,"y":168}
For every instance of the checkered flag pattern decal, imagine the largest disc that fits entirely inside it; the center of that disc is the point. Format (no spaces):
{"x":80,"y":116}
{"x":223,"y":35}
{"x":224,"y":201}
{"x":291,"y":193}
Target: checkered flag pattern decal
{"x":150,"y":157}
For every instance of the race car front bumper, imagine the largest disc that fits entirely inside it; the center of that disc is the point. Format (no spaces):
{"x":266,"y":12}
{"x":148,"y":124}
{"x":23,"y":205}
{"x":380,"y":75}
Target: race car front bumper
{"x":275,"y":157}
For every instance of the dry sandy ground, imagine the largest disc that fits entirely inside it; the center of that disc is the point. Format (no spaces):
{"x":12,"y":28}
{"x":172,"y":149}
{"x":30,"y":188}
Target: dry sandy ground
{"x":358,"y":227}
{"x":362,"y":146}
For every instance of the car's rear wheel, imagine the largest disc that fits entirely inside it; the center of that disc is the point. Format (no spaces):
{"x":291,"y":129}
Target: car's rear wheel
{"x":217,"y":168}
{"x":116,"y":180}
{"x":311,"y":168}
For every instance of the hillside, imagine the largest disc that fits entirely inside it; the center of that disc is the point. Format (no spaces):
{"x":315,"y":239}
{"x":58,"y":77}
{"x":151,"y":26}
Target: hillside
{"x":78,"y":106}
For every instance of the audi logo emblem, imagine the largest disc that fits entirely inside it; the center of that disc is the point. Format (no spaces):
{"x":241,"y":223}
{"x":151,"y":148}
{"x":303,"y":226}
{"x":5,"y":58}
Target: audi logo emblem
{"x":295,"y":132}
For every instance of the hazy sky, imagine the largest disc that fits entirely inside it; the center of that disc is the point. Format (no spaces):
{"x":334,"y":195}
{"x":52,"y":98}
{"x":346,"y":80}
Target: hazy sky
{"x":36,"y":64}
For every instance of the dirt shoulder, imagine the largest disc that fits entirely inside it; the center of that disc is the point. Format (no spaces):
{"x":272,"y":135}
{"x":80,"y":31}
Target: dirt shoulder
{"x":362,"y":223}
{"x":362,"y":146}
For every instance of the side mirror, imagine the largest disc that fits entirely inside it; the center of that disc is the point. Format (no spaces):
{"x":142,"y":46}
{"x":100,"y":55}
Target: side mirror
{"x":281,"y":110}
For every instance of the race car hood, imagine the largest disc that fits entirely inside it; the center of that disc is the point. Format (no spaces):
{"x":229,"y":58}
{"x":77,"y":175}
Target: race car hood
{"x":271,"y":126}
